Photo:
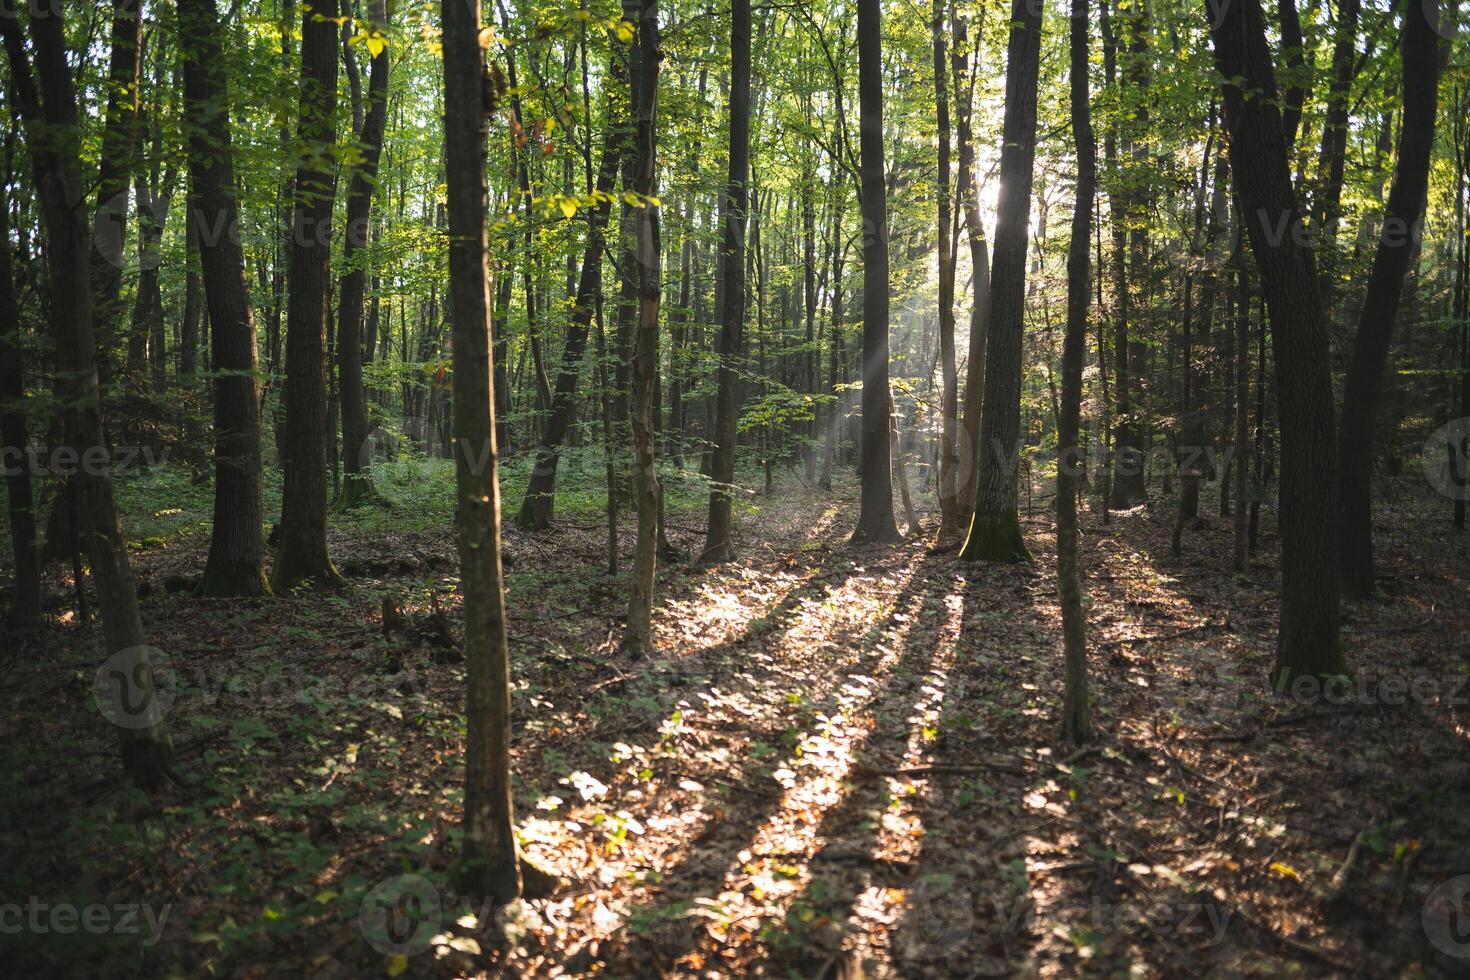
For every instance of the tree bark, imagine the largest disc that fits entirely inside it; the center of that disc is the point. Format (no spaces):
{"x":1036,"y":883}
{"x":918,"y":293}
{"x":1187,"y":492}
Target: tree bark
{"x":995,"y":528}
{"x":1333,"y":157}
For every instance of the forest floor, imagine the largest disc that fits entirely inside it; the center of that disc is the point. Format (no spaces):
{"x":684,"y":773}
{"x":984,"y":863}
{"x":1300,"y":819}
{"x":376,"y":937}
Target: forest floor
{"x":841,"y":762}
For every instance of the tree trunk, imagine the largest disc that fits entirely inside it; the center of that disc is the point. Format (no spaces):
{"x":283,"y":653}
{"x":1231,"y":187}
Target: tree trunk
{"x":302,"y":554}
{"x":357,"y":456}
{"x":1364,"y":384}
{"x":967,"y":452}
{"x":949,"y":510}
{"x":1308,"y":642}
{"x":489,"y":864}
{"x":995,"y":528}
{"x":1242,"y":327}
{"x":875,"y":523}
{"x":1076,"y":712}
{"x":733,"y":212}
{"x":235,"y":566}
{"x":125,"y":684}
{"x":642,"y":264}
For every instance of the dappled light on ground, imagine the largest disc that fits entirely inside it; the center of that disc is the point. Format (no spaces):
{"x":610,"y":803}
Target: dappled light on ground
{"x":839,"y":760}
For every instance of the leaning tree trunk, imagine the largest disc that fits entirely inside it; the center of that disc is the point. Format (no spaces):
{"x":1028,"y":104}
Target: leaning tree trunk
{"x":124,"y":685}
{"x":357,"y":451}
{"x":736,"y":202}
{"x":875,"y":523}
{"x":1076,"y":712}
{"x":1364,"y":383}
{"x":995,"y":528}
{"x":967,"y":456}
{"x":538,"y":507}
{"x":235,"y":566}
{"x":1308,"y":642}
{"x":302,"y":555}
{"x":645,"y":268}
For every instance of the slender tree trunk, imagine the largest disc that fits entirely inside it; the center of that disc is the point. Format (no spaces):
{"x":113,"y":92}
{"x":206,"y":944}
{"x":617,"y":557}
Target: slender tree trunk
{"x":124,"y":685}
{"x":1076,"y":711}
{"x":995,"y":528}
{"x":644,"y":268}
{"x":357,"y":456}
{"x":875,"y":523}
{"x":949,"y":509}
{"x":302,"y":554}
{"x":1364,"y":385}
{"x":900,"y":473}
{"x":1242,"y":327}
{"x":490,"y":864}
{"x":1308,"y":642}
{"x":733,"y":211}
{"x":967,"y":457}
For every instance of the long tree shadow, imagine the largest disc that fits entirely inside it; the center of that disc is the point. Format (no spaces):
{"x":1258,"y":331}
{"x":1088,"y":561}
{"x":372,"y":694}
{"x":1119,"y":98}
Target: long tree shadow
{"x":750,"y":852}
